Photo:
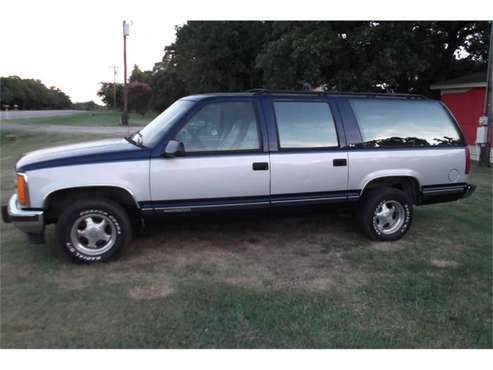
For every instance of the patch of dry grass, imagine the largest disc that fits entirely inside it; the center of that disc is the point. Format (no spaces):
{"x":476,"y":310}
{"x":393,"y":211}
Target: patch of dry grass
{"x":227,"y":253}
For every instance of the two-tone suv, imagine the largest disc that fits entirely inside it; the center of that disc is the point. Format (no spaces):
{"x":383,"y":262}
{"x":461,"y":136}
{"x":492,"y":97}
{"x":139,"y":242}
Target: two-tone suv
{"x":385,"y":153}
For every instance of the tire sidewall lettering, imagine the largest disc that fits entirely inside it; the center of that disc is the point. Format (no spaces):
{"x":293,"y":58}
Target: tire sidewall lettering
{"x":405,"y":225}
{"x":73,"y":251}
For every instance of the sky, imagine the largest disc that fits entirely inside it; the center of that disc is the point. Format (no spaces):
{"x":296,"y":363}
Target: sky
{"x":73,"y":44}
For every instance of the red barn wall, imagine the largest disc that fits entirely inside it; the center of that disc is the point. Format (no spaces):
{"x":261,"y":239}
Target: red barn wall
{"x":467,"y":107}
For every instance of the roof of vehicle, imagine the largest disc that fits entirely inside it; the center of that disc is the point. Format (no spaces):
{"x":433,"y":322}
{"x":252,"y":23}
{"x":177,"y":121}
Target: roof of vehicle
{"x":256,"y":92}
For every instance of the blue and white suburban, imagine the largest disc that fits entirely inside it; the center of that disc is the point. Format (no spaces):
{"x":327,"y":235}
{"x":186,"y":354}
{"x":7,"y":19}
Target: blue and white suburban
{"x":385,"y":153}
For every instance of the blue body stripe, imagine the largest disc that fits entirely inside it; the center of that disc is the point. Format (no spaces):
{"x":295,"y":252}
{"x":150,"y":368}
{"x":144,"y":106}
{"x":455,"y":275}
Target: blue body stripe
{"x":130,"y":155}
{"x":265,"y":200}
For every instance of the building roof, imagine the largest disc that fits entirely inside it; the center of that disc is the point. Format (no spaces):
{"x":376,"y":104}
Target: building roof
{"x":471,"y":80}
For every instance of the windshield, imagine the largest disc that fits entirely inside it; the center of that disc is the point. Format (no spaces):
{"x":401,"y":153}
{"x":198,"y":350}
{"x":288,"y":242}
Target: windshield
{"x":151,"y":134}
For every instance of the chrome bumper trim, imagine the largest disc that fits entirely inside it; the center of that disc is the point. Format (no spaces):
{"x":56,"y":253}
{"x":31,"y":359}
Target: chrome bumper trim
{"x":28,"y":221}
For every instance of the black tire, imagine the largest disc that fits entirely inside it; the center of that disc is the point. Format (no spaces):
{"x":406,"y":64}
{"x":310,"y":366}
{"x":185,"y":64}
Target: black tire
{"x":94,"y":211}
{"x":372,"y":202}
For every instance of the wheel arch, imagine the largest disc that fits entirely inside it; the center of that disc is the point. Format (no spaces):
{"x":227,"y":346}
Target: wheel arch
{"x":407,"y":183}
{"x":53,"y":202}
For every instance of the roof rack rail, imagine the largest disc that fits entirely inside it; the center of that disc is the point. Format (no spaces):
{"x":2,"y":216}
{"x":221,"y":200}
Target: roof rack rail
{"x":261,"y":91}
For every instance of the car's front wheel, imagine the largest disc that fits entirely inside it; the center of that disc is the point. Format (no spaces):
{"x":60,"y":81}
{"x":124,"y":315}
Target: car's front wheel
{"x":92,"y":230}
{"x":385,"y":214}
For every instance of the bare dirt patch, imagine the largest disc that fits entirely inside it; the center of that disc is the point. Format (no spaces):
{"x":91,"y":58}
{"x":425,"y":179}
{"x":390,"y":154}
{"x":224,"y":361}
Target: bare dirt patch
{"x":443,"y":263}
{"x":387,"y":247}
{"x":267,"y":254}
{"x":150,"y":292}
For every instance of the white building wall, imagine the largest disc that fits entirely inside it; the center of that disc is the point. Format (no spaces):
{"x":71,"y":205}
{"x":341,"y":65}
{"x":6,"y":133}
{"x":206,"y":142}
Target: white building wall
{"x":475,"y":153}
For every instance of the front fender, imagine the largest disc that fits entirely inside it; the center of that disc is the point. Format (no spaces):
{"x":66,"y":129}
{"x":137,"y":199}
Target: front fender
{"x":133,"y":177}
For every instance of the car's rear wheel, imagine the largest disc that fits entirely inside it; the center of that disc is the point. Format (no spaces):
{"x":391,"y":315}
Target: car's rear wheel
{"x":93,"y":230}
{"x":385,"y":214}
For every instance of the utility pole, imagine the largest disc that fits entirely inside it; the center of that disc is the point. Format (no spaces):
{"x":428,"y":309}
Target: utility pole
{"x":486,"y":120}
{"x":126,"y":29}
{"x":115,"y":68}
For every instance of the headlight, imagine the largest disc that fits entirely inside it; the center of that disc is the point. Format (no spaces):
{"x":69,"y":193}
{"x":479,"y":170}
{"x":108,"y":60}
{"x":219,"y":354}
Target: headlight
{"x":22,"y":193}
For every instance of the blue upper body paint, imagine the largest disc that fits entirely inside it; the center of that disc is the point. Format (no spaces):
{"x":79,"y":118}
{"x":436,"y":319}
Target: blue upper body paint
{"x":110,"y":150}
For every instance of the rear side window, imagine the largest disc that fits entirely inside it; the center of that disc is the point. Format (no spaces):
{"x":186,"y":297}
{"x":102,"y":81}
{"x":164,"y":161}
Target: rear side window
{"x":305,"y":125}
{"x":403,"y":123}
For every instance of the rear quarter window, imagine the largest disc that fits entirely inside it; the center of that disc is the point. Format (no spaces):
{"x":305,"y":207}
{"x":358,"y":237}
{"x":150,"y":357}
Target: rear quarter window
{"x":404,"y":123}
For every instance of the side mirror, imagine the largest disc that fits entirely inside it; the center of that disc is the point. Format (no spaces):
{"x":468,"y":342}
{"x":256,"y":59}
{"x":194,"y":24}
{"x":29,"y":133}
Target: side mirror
{"x":173,"y":149}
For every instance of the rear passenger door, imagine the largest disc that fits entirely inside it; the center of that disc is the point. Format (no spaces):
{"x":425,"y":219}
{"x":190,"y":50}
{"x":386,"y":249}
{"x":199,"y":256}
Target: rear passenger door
{"x":309,"y":162}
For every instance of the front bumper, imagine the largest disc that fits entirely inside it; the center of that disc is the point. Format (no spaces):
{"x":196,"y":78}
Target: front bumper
{"x":29,"y":221}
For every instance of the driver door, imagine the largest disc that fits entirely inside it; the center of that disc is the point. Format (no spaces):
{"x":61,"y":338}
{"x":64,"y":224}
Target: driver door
{"x":224,"y":165}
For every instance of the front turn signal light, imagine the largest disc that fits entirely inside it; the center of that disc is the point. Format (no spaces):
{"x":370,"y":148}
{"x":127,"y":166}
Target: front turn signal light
{"x":22,"y":190}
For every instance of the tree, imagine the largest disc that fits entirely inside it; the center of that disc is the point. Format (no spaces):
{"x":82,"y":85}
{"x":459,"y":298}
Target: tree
{"x":392,"y":56}
{"x":106,"y":94}
{"x":139,"y":97}
{"x":139,"y":75}
{"x":167,"y":86}
{"x":347,"y":56}
{"x":31,"y":94}
{"x":215,"y":56}
{"x":87,"y":105}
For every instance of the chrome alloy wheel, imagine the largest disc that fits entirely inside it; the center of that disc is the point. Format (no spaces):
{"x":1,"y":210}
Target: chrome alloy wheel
{"x":93,"y":234}
{"x":389,"y":216}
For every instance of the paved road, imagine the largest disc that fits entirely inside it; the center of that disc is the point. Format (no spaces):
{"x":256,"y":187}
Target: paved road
{"x":117,"y":131}
{"x":37,"y":113}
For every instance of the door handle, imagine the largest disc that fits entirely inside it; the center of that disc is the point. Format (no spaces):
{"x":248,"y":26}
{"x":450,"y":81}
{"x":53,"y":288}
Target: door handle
{"x":340,"y":162}
{"x":260,"y":166}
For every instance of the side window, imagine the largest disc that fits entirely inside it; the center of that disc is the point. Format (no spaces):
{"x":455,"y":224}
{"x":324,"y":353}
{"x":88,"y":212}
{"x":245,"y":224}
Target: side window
{"x":223,"y":126}
{"x":404,"y":123}
{"x":305,"y":125}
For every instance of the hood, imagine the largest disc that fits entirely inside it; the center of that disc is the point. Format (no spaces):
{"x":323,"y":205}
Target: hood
{"x":110,"y":150}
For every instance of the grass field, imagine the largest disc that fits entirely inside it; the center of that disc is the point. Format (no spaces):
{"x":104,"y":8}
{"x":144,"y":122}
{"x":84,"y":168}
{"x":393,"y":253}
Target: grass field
{"x":96,"y":118}
{"x":269,"y":282}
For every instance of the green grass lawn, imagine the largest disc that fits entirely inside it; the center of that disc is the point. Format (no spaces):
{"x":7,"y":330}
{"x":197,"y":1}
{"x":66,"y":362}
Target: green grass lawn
{"x":268,"y":282}
{"x":96,"y":118}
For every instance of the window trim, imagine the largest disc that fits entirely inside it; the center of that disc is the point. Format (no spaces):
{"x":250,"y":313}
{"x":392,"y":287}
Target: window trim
{"x":305,"y":149}
{"x":206,"y":153}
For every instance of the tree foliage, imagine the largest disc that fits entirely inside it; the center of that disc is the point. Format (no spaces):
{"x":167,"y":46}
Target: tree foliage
{"x":396,"y":56}
{"x":140,"y":76}
{"x":87,"y":105}
{"x":218,"y":56}
{"x":167,"y":86}
{"x":106,"y":94}
{"x":139,"y":97}
{"x":341,"y":55}
{"x":31,"y":94}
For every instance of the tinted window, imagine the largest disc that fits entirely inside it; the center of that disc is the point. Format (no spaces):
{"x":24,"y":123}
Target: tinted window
{"x":394,"y":123}
{"x":305,"y":125}
{"x":221,"y":127}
